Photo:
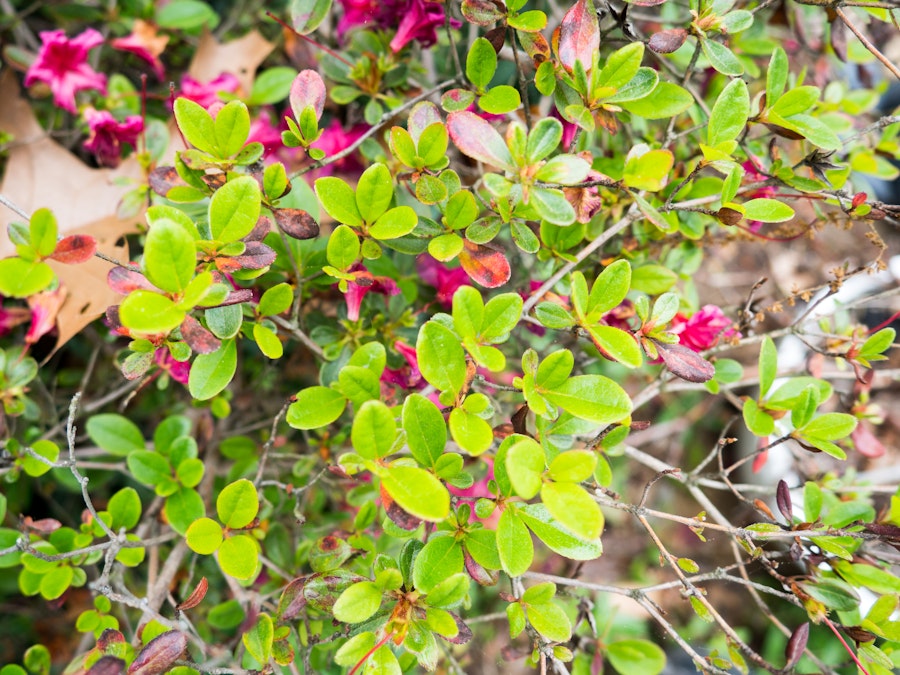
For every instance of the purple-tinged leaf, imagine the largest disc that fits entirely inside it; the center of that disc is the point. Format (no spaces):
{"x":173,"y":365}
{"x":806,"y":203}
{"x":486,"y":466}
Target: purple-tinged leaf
{"x":783,"y":499}
{"x":107,"y":665}
{"x":422,"y":116}
{"x":579,"y":35}
{"x":292,"y":600}
{"x":74,"y":249}
{"x":296,"y":223}
{"x":464,"y":634}
{"x":795,"y":646}
{"x":647,"y":3}
{"x":160,"y":654}
{"x":476,"y":138}
{"x":402,"y":519}
{"x":124,"y":280}
{"x":260,"y":230}
{"x":667,"y":41}
{"x":256,"y":256}
{"x":108,"y":638}
{"x":482,"y":576}
{"x":198,"y":338}
{"x":685,"y":363}
{"x":308,"y":89}
{"x":497,"y":36}
{"x":196,"y":596}
{"x":485,"y":264}
{"x":483,"y":12}
{"x":41,"y":525}
{"x":237,"y":296}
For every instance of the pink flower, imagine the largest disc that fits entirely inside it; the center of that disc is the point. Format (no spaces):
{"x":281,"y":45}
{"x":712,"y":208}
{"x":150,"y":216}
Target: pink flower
{"x":263,"y":131}
{"x":207,"y":94}
{"x":177,"y":370}
{"x":357,"y":13}
{"x":363,"y":283}
{"x":414,"y":19}
{"x":703,"y":329}
{"x":333,"y":140}
{"x":145,"y":44}
{"x":569,"y":129}
{"x":107,"y":135}
{"x":408,"y":376}
{"x":445,"y":280}
{"x":62,"y":64}
{"x":44,"y":308}
{"x":11,"y":317}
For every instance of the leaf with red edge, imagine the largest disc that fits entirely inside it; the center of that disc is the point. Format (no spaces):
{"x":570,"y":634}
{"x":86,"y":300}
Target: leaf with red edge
{"x":160,"y":654}
{"x":783,"y":499}
{"x":124,"y":280}
{"x":292,"y":600}
{"x":685,"y":363}
{"x":255,"y":257}
{"x":476,"y":138}
{"x":402,"y":519}
{"x":308,"y":89}
{"x":74,"y":249}
{"x":579,"y":35}
{"x":482,"y":12}
{"x":464,"y":634}
{"x":198,"y":338}
{"x":422,"y":116}
{"x":485,"y":264}
{"x":296,"y":223}
{"x":107,"y":665}
{"x":196,"y":596}
{"x":646,"y":3}
{"x":481,"y":575}
{"x":667,"y":41}
{"x":41,"y":526}
{"x":108,"y":638}
{"x":795,"y":646}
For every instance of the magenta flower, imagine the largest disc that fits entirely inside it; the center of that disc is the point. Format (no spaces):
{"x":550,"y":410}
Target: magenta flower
{"x":44,"y":309}
{"x":334,"y":139}
{"x":145,"y":44}
{"x":10,"y":317}
{"x":703,"y":329}
{"x":62,"y":64}
{"x":364,"y":283}
{"x":177,"y":370}
{"x":208,"y":93}
{"x":107,"y":135}
{"x":408,"y":376}
{"x":445,"y":280}
{"x":263,"y":131}
{"x":414,"y":19}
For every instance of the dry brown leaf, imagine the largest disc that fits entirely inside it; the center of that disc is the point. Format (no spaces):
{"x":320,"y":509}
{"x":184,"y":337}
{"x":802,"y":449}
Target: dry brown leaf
{"x":239,"y":57}
{"x":42,"y":173}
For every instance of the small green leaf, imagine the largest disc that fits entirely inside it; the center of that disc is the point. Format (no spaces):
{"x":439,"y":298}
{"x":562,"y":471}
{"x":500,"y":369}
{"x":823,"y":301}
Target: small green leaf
{"x":722,"y":58}
{"x":776,"y":74}
{"x":43,"y":232}
{"x":44,"y":448}
{"x":149,"y":468}
{"x":592,"y":397}
{"x":514,"y":544}
{"x":374,"y":192}
{"x":211,"y":373}
{"x":239,"y":556}
{"x":574,"y":508}
{"x":525,"y":465}
{"x":396,"y":222}
{"x":572,"y":466}
{"x":276,"y":300}
{"x":730,"y":112}
{"x":403,"y":147}
{"x":417,"y":492}
{"x":516,"y":616}
{"x":426,"y":431}
{"x":450,"y":592}
{"x":432,"y":145}
{"x":238,"y":504}
{"x":124,"y":508}
{"x":472,"y":433}
{"x":315,"y":407}
{"x":758,"y":421}
{"x":439,"y":560}
{"x":232,"y":127}
{"x":441,"y":357}
{"x":374,"y":430}
{"x":21,"y":278}
{"x":204,"y":536}
{"x":339,"y":200}
{"x":114,"y":433}
{"x":500,"y":100}
{"x":767,"y":210}
{"x":550,"y":621}
{"x":636,"y":656}
{"x":234,"y":209}
{"x":666,"y":100}
{"x":357,"y":603}
{"x":197,"y":125}
{"x":170,"y":256}
{"x":258,"y":640}
{"x":830,"y":426}
{"x":768,"y":365}
{"x":481,"y":63}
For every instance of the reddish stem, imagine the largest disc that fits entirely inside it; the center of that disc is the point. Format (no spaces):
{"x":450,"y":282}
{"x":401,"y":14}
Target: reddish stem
{"x":377,"y":646}
{"x":846,"y":646}
{"x":309,"y":40}
{"x":885,"y":323}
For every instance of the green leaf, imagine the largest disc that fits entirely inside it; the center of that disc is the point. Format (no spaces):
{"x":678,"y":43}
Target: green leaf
{"x":225,"y":321}
{"x":730,"y":112}
{"x":758,"y":421}
{"x":649,"y":170}
{"x":768,"y":365}
{"x":343,"y":248}
{"x":55,"y":582}
{"x":442,"y":360}
{"x":234,"y":209}
{"x":43,"y":232}
{"x":543,"y":139}
{"x":776,"y":74}
{"x":572,"y":466}
{"x":621,"y":66}
{"x":197,"y":125}
{"x":124,"y":508}
{"x":550,"y":621}
{"x":359,"y":384}
{"x":767,"y":210}
{"x":514,"y":544}
{"x":618,"y":345}
{"x":187,"y":15}
{"x":170,"y":256}
{"x":446,"y":246}
{"x":417,"y":492}
{"x":468,"y":311}
{"x":558,"y":539}
{"x":461,"y":210}
{"x":555,"y":369}
{"x":552,"y":206}
{"x":44,"y":448}
{"x":338,"y":200}
{"x":574,"y":508}
{"x":308,"y":14}
{"x":553,"y":315}
{"x":403,"y":147}
{"x":146,"y":312}
{"x":237,"y":504}
{"x":500,"y":100}
{"x":182,"y":508}
{"x":204,"y":536}
{"x":114,"y":433}
{"x":439,"y":560}
{"x":666,"y":100}
{"x":609,"y":289}
{"x":396,"y":222}
{"x":516,"y":617}
{"x":315,"y":407}
{"x":374,"y":192}
{"x":357,"y":603}
{"x":426,"y":431}
{"x":276,"y":300}
{"x":643,"y":84}
{"x":812,"y":501}
{"x":796,"y":100}
{"x":450,"y":592}
{"x":232,"y":126}
{"x":722,"y":58}
{"x":832,"y":593}
{"x":592,"y":397}
{"x":189,"y":472}
{"x":636,"y":657}
{"x":432,"y":145}
{"x":211,"y":373}
{"x":430,"y":190}
{"x":272,"y":85}
{"x":374,"y":430}
{"x":239,"y":556}
{"x":259,"y":639}
{"x":878,"y":343}
{"x":481,"y":63}
{"x":21,"y":278}
{"x":501,"y":315}
{"x":830,"y":426}
{"x":149,"y":468}
{"x":525,"y":465}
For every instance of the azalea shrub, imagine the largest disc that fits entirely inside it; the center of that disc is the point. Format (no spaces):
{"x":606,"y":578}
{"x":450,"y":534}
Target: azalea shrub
{"x":380,"y":336}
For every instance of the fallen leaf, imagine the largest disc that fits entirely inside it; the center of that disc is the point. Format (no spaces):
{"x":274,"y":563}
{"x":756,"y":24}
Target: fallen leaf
{"x":42,"y":173}
{"x":239,"y":57}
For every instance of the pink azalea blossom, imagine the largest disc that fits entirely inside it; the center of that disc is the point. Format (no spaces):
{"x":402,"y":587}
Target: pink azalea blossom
{"x":408,"y":376}
{"x":145,"y":44}
{"x":364,"y":283}
{"x":62,"y":64}
{"x":10,"y":317}
{"x":107,"y":135}
{"x":44,"y":309}
{"x":208,"y":93}
{"x":703,"y":329}
{"x":177,"y":370}
{"x":333,"y":140}
{"x":263,"y":131}
{"x":413,"y":19}
{"x":442,"y":278}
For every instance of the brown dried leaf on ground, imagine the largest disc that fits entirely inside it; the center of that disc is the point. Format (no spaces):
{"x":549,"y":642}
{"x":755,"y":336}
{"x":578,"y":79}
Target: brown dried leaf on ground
{"x":42,"y":173}
{"x":239,"y":57}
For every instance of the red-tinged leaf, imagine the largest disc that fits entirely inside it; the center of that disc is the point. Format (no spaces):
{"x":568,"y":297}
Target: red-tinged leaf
{"x":124,"y":280}
{"x":42,"y":525}
{"x":292,"y":600}
{"x":74,"y":249}
{"x":238,"y":296}
{"x":160,"y":654}
{"x":108,"y":638}
{"x":401,"y":518}
{"x":260,"y":230}
{"x":667,"y":41}
{"x":164,"y":178}
{"x":196,"y":596}
{"x":795,"y":646}
{"x":296,"y":223}
{"x":579,"y":35}
{"x":685,"y":363}
{"x":783,"y":499}
{"x":464,"y":634}
{"x":890,"y":533}
{"x":485,"y":264}
{"x":481,"y":575}
{"x":255,"y":257}
{"x":214,"y":180}
{"x":536,"y":46}
{"x":483,"y":12}
{"x":476,"y":138}
{"x":859,"y":199}
{"x":496,"y":36}
{"x":307,"y":89}
{"x":107,"y":665}
{"x":646,"y":3}
{"x":198,"y":338}
{"x":858,"y":634}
